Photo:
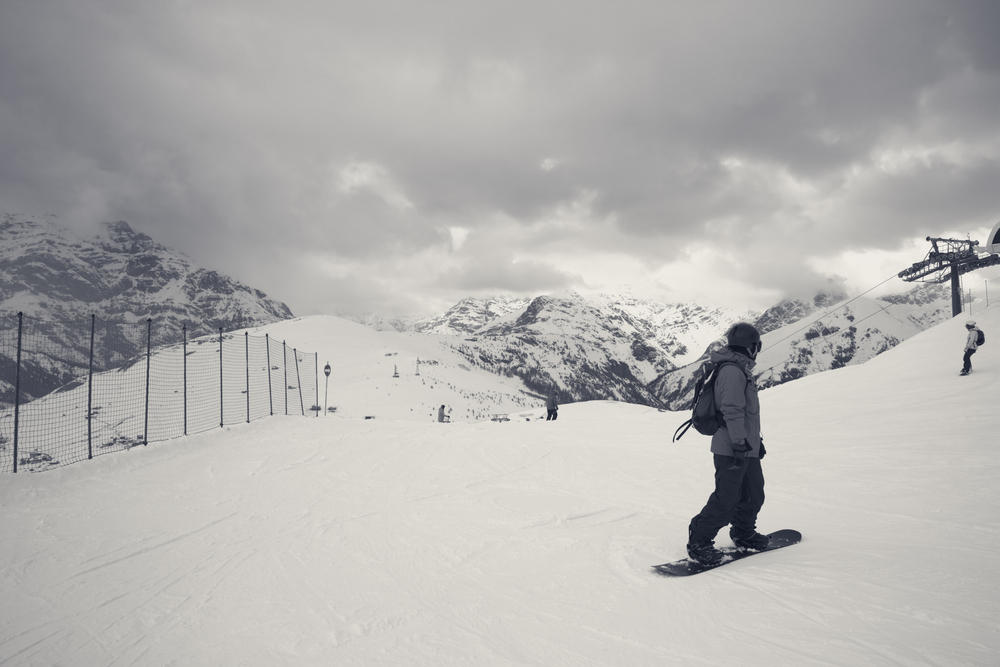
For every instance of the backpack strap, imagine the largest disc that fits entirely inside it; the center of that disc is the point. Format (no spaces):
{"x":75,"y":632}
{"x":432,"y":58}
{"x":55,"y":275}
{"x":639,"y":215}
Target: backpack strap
{"x":686,"y":425}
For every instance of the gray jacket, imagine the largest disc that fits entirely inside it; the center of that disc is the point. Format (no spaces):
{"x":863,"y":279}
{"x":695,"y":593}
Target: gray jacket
{"x":970,"y":340}
{"x":736,"y":397}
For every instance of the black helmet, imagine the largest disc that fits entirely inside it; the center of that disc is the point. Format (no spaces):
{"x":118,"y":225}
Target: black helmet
{"x":746,"y":336}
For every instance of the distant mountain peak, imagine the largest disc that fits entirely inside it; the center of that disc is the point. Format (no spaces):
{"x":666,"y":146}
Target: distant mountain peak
{"x":120,"y":237}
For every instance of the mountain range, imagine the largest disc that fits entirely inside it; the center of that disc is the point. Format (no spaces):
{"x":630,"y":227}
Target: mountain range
{"x":629,"y":349}
{"x":578,"y":347}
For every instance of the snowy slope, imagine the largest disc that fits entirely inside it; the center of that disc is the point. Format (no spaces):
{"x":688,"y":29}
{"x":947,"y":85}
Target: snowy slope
{"x":364,"y":363}
{"x":343,"y":541}
{"x":375,"y":375}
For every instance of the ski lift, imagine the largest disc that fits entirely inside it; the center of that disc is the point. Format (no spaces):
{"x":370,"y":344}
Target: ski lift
{"x":993,"y":240}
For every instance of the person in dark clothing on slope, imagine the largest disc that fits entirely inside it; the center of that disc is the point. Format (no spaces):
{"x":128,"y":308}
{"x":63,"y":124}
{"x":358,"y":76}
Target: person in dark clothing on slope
{"x":551,"y":408}
{"x":737,"y":448}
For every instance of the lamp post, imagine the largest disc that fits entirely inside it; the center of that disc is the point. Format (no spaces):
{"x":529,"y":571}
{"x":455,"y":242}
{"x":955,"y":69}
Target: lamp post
{"x":326,"y":393}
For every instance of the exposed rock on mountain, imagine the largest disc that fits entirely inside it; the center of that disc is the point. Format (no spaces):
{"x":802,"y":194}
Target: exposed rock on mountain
{"x":121,"y":276}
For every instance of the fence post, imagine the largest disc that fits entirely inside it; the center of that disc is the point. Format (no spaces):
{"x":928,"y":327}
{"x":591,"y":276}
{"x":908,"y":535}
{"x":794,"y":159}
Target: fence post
{"x":184,"y":350}
{"x":145,"y":428}
{"x":90,"y":393}
{"x":246,"y":341}
{"x":284,"y":364}
{"x":17,"y":385}
{"x":298,"y":381}
{"x":270,"y":397}
{"x":316,"y":368}
{"x":222,"y":420}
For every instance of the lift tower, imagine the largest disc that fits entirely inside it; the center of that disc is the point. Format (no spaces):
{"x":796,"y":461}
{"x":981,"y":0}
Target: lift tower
{"x":951,"y":258}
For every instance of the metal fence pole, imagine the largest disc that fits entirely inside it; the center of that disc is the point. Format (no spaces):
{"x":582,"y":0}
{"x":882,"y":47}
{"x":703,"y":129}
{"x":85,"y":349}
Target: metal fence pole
{"x":246,"y":341}
{"x":316,"y":368}
{"x":298,"y":381}
{"x":270,"y":397}
{"x":17,"y":385}
{"x":145,"y":428}
{"x":222,"y":420}
{"x":184,"y":350}
{"x":90,"y":393}
{"x":284,"y":364}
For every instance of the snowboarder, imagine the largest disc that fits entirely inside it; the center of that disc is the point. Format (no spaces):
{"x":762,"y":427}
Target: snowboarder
{"x":737,"y":448}
{"x":971,"y":343}
{"x":551,"y":407}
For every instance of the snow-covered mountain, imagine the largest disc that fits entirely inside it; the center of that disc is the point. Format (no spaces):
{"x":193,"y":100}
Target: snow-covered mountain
{"x":123,"y":277}
{"x":801,"y":337}
{"x":586,"y":348}
{"x":471,"y":315}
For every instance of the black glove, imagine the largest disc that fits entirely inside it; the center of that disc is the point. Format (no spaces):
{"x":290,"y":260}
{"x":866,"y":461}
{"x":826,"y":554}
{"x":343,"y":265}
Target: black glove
{"x":740,"y":450}
{"x":762,"y":450}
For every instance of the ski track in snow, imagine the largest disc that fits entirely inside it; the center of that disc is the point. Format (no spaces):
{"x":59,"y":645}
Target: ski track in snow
{"x":342,"y":541}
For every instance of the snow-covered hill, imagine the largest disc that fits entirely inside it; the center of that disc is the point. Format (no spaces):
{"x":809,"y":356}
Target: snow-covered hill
{"x":340,"y":540}
{"x":402,"y":375}
{"x":121,"y":276}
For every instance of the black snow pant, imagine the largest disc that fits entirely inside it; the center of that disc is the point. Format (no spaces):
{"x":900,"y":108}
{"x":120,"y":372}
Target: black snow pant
{"x":552,"y":415}
{"x":737,"y":499}
{"x":967,"y":360}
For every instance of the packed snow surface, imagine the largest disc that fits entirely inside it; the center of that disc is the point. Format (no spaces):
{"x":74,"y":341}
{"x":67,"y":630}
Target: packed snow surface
{"x":340,"y":540}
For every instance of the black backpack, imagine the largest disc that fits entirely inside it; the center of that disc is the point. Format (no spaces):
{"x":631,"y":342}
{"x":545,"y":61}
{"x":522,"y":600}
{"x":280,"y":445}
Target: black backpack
{"x":980,"y":337}
{"x":705,"y":415}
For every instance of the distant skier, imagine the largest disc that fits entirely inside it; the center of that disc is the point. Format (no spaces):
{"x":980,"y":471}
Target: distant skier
{"x":442,"y":417}
{"x":737,"y":448}
{"x":551,"y":407}
{"x":971,"y":344}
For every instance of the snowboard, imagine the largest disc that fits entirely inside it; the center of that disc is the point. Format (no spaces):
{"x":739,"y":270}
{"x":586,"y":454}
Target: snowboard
{"x":686,"y":566}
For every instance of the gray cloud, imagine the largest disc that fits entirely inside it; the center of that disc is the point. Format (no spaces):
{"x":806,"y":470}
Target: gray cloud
{"x":505,"y":274}
{"x":258,"y":137}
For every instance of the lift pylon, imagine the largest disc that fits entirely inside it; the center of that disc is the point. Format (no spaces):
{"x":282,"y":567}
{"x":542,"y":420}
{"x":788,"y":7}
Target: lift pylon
{"x":949,"y":259}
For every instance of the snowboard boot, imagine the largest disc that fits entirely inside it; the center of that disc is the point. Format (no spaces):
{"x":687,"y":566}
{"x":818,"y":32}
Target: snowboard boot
{"x":704,"y":552}
{"x":750,"y":541}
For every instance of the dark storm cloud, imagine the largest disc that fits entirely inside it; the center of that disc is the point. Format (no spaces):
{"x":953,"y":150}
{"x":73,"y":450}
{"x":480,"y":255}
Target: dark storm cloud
{"x":363,"y":133}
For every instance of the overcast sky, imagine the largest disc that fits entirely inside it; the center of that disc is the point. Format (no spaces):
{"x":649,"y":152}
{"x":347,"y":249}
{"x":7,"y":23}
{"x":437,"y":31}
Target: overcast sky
{"x":395,"y":156}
